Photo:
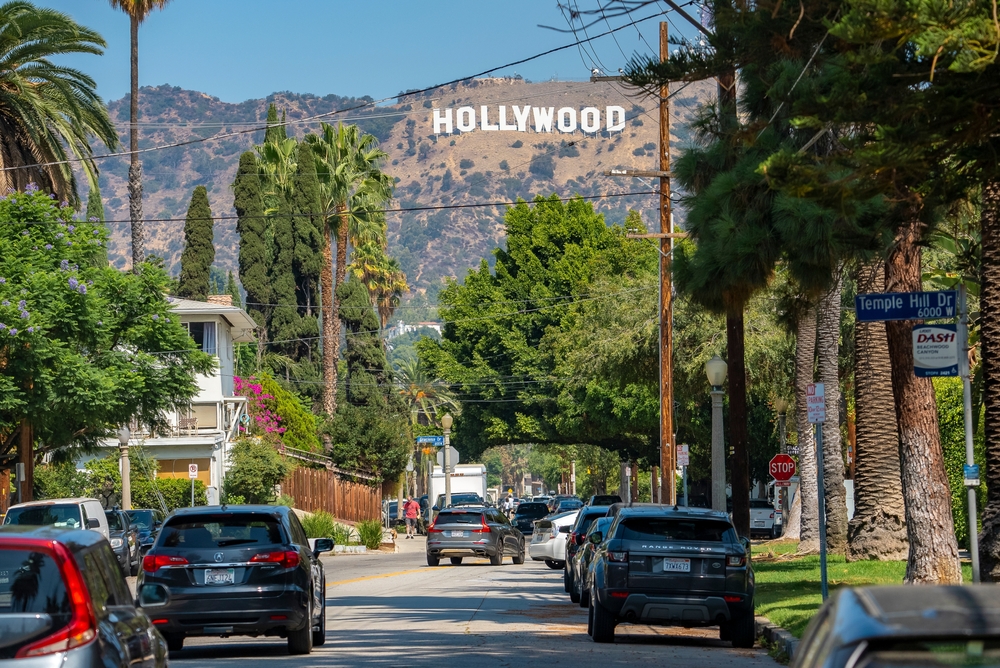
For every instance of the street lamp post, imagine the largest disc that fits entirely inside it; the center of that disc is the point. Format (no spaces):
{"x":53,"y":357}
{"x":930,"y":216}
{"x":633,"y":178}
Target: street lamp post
{"x":123,"y":437}
{"x":446,"y":421}
{"x":716,"y":369}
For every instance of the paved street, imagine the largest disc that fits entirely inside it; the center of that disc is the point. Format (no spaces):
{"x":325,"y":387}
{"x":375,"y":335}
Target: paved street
{"x":392,"y":610}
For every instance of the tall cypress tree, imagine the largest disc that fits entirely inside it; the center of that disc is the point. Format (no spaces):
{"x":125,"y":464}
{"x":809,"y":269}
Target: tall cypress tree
{"x":95,"y":214}
{"x":199,"y":249}
{"x":254,"y":258}
{"x":284,"y":324}
{"x":307,"y":224}
{"x":232,"y":289}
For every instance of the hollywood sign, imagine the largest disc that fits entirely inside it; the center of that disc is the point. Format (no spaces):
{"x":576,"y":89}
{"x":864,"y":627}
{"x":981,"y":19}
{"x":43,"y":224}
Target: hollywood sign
{"x":542,"y":119}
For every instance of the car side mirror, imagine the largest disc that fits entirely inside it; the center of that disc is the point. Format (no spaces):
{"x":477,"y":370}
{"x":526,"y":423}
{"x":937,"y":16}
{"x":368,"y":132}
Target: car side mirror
{"x":565,"y":529}
{"x":745,"y":542}
{"x":596,"y":538}
{"x":157,"y":524}
{"x":93,"y":523}
{"x":321,"y":545}
{"x":152,"y":596}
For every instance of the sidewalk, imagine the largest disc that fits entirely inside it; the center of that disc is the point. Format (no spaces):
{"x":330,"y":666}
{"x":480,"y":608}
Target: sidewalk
{"x":415,"y":545}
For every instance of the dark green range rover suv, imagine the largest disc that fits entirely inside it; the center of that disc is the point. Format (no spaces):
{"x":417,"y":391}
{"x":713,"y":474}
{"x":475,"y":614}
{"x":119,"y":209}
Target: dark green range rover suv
{"x":672,"y":566}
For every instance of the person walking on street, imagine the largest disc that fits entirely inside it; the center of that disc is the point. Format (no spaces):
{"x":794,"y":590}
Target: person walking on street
{"x":508,"y":506}
{"x":411,"y":509}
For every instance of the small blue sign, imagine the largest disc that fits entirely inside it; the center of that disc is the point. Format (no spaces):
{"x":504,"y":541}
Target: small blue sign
{"x":906,"y":306}
{"x":971,"y":471}
{"x":436,"y":441}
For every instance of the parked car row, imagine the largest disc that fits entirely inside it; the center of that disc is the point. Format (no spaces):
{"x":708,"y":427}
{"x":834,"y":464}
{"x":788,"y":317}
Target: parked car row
{"x":658,"y":565}
{"x":205,"y":571}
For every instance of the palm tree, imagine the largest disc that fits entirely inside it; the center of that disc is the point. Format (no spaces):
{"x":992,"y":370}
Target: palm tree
{"x":827,"y":347}
{"x":878,"y":528}
{"x":353,"y":191}
{"x":138,"y":11}
{"x":805,"y":356}
{"x":47,"y":112}
{"x":423,"y":394}
{"x":383,"y":277}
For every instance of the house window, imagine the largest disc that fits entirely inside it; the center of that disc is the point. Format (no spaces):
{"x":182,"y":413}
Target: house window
{"x":205,"y":414}
{"x":203,"y":334}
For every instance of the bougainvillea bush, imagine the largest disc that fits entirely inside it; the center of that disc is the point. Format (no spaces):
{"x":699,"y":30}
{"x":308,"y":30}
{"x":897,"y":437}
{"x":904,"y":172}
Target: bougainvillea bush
{"x":84,"y":347}
{"x":278,"y":414}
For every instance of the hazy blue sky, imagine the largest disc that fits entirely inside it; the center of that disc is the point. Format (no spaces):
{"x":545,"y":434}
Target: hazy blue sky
{"x":241,"y":49}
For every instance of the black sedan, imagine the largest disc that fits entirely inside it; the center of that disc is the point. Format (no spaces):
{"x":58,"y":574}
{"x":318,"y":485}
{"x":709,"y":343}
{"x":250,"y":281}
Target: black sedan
{"x":527,"y":513}
{"x":238,"y":570}
{"x":147,"y":523}
{"x":124,"y":540}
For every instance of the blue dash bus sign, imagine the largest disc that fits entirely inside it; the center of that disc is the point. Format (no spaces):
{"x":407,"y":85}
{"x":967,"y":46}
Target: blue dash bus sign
{"x":906,"y":306}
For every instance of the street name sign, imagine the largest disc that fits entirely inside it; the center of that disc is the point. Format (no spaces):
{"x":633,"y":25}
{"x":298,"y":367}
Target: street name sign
{"x":436,"y":441}
{"x":816,"y":403}
{"x":906,"y":306}
{"x":935,"y":351}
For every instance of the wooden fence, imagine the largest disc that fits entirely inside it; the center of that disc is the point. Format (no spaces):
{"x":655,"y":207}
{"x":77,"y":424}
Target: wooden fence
{"x":323,"y":489}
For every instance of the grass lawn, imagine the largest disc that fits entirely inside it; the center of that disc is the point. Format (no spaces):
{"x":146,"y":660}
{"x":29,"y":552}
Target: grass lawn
{"x":788,"y":591}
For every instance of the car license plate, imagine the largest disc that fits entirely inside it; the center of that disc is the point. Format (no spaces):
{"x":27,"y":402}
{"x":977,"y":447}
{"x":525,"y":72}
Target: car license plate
{"x":676,"y":565}
{"x":220,"y":576}
{"x":758,"y":523}
{"x":457,"y":534}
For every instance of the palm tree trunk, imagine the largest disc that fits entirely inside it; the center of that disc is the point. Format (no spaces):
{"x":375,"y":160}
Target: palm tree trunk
{"x":330,"y":324}
{"x":805,"y":356}
{"x":135,"y":167}
{"x":989,"y":333}
{"x":929,"y":525}
{"x":827,"y":348}
{"x":878,"y":529}
{"x":740,"y":469}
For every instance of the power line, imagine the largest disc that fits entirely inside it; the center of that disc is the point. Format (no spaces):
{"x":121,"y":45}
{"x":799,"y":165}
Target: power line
{"x":328,"y":114}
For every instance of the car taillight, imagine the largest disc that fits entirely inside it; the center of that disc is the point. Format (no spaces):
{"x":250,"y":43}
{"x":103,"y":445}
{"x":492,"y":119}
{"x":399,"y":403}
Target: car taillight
{"x":772,"y":516}
{"x":82,"y":627}
{"x":483,"y":528}
{"x":433,"y":529}
{"x":154,"y":562}
{"x":732,"y":599}
{"x":617,"y":556}
{"x":285,"y":558}
{"x":736,"y":561}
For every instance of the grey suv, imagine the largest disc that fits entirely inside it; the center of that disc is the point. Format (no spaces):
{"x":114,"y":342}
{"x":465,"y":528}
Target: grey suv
{"x":670,"y":566}
{"x":471,"y":531}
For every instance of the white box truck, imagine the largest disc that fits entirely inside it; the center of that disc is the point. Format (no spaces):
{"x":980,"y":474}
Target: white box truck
{"x":466,"y":478}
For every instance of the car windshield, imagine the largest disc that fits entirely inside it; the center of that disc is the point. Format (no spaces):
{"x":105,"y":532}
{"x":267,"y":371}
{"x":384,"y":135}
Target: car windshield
{"x":916,"y":653}
{"x":115,"y":522}
{"x":214,"y":531}
{"x":605,"y":499}
{"x":141,"y":519}
{"x":761,"y":503}
{"x":459,"y":499}
{"x":570,"y":504}
{"x":67,"y":515}
{"x":532,"y":510}
{"x":671,"y":528}
{"x":453,"y":517}
{"x":30,"y":583}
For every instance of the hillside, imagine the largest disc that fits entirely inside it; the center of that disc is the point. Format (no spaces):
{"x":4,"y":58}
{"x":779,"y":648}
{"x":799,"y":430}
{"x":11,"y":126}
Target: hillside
{"x":434,"y":171}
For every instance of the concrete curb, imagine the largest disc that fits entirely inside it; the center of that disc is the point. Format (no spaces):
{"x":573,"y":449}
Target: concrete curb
{"x":776,"y":635}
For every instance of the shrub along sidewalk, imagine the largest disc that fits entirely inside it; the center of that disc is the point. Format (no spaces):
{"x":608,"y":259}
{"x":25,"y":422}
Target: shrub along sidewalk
{"x":788,"y":589}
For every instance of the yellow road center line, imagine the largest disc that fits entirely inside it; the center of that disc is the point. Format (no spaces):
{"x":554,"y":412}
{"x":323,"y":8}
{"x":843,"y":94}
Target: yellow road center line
{"x":375,"y":577}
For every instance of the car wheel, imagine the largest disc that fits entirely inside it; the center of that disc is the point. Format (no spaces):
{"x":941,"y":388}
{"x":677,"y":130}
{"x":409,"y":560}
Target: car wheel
{"x":432,"y":560}
{"x":319,"y":637}
{"x":584,"y":597}
{"x":300,"y":641}
{"x":553,"y":564}
{"x":604,"y":624}
{"x":456,"y":561}
{"x":567,"y":579}
{"x":590,"y":620}
{"x":175,"y":641}
{"x":742,"y":632}
{"x":574,"y":594}
{"x":497,"y":559}
{"x":725,"y":631}
{"x":519,"y":557}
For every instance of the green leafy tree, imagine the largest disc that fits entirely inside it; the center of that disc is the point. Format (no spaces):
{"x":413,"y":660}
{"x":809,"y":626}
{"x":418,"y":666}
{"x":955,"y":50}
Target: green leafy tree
{"x":95,"y":208}
{"x":59,"y":481}
{"x":255,"y":469}
{"x":199,"y":248}
{"x":233,"y":289}
{"x":138,"y":11}
{"x":299,"y":424}
{"x":49,"y":112}
{"x":85,"y":347}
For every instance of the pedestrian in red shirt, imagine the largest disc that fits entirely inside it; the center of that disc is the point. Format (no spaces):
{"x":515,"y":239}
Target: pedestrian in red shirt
{"x":411,"y":510}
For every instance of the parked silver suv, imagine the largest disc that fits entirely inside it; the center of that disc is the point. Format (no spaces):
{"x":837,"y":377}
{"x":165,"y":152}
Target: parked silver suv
{"x":471,"y":531}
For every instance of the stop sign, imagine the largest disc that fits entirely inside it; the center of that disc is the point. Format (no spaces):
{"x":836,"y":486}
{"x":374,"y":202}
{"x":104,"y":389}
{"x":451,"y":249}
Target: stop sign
{"x":782,"y":467}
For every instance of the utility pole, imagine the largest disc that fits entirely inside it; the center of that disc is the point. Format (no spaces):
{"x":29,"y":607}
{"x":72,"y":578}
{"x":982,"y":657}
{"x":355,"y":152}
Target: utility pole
{"x":668,"y":454}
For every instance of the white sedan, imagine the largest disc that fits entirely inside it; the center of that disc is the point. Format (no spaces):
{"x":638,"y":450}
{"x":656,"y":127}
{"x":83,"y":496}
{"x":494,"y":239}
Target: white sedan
{"x":548,"y":542}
